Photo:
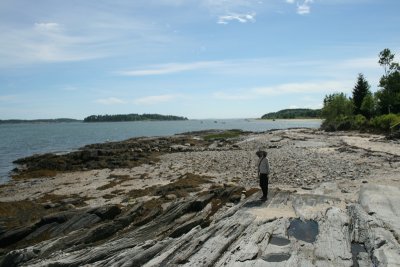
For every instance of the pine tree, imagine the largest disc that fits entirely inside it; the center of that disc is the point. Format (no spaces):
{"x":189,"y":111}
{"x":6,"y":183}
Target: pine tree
{"x":361,"y":90}
{"x":389,"y":94}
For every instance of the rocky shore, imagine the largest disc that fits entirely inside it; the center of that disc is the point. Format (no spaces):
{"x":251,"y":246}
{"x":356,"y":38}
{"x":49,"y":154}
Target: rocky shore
{"x":192,"y":200}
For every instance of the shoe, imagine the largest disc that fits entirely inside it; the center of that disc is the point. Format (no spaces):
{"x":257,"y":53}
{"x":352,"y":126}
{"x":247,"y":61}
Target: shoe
{"x":263,"y":198}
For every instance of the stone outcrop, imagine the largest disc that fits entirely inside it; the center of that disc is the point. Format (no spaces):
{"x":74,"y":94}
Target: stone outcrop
{"x":248,"y":233}
{"x":376,"y":223}
{"x":199,"y":206}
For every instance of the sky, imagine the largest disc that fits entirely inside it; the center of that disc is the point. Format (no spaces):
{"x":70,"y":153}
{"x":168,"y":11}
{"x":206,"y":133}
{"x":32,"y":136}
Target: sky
{"x":194,"y":58}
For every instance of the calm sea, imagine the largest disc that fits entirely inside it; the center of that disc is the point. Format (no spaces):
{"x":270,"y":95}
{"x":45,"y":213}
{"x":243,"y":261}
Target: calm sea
{"x":21,"y":140}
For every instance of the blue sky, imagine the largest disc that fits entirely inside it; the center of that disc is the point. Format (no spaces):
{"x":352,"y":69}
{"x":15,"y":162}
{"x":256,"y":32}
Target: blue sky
{"x":194,"y":58}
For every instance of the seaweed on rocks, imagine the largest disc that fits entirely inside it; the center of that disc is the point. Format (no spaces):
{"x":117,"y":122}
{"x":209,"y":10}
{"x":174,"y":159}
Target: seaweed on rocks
{"x":124,"y":154}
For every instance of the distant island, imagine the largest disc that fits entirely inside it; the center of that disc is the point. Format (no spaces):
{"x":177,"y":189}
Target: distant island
{"x":297,"y":113}
{"x":133,"y":117}
{"x":39,"y":121}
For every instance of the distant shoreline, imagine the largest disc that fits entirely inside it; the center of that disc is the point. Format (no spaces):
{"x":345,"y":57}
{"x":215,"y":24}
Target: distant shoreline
{"x":133,"y":117}
{"x":72,"y":121}
{"x":17,"y":121}
{"x":40,"y":121}
{"x":61,"y":137}
{"x":297,"y":119}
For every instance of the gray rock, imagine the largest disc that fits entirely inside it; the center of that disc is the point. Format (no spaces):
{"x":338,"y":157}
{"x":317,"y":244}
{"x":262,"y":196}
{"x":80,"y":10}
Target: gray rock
{"x":188,"y":225}
{"x":17,"y":257}
{"x":171,"y":197}
{"x":384,"y":202}
{"x":107,"y":212}
{"x":375,"y":223}
{"x":13,"y":236}
{"x":332,"y":247}
{"x":243,"y":235}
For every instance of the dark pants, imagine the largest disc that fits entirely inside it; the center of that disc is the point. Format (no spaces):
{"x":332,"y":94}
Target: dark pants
{"x":264,"y":184}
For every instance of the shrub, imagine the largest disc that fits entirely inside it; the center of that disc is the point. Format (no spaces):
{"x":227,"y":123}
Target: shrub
{"x":344,"y":123}
{"x":360,"y":122}
{"x":337,"y":112}
{"x":385,"y":122}
{"x":335,"y":106}
{"x":369,"y":106}
{"x":340,"y":123}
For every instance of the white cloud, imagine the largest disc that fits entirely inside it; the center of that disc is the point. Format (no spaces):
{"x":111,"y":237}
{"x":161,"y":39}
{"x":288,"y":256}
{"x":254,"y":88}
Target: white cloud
{"x":47,"y":26}
{"x":223,"y":5}
{"x":156,"y":99}
{"x":69,"y":88}
{"x":237,"y":96}
{"x":323,"y":87}
{"x":232,"y":10}
{"x":110,"y":101}
{"x":309,"y":99}
{"x":360,"y":63}
{"x":304,"y":8}
{"x":331,"y":69}
{"x":306,"y":87}
{"x":170,"y":68}
{"x":242,"y":18}
{"x":44,"y":42}
{"x":91,"y":33}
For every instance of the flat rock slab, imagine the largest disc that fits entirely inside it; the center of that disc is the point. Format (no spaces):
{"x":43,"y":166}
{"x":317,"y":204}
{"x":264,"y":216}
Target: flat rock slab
{"x":384,"y":203}
{"x":249,"y":233}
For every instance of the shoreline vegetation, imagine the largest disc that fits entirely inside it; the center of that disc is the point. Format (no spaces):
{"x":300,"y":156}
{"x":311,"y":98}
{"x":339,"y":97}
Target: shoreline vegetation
{"x":60,"y":120}
{"x":102,"y":118}
{"x":366,"y":111}
{"x":293,"y":116}
{"x":133,"y":117}
{"x":298,"y":113}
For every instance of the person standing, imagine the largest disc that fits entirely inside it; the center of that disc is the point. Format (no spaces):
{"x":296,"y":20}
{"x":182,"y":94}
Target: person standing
{"x":263,"y":173}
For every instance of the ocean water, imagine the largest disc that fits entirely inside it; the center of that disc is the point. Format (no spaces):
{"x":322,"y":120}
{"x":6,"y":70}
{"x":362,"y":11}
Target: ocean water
{"x":22,"y":140}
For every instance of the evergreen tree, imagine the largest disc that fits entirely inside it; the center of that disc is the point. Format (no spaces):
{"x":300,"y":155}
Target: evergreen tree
{"x":360,"y":91}
{"x":368,"y":106}
{"x":389,"y":95}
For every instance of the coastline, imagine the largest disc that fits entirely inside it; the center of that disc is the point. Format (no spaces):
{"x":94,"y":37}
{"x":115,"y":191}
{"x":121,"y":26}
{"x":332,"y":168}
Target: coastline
{"x":174,"y":156}
{"x":50,"y":138}
{"x":221,"y":174}
{"x":299,"y":119}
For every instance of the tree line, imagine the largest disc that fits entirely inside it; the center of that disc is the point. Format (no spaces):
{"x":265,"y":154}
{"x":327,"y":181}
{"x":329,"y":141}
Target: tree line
{"x":38,"y":121}
{"x":296,"y":113}
{"x":132,"y":117}
{"x":364,"y":110}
